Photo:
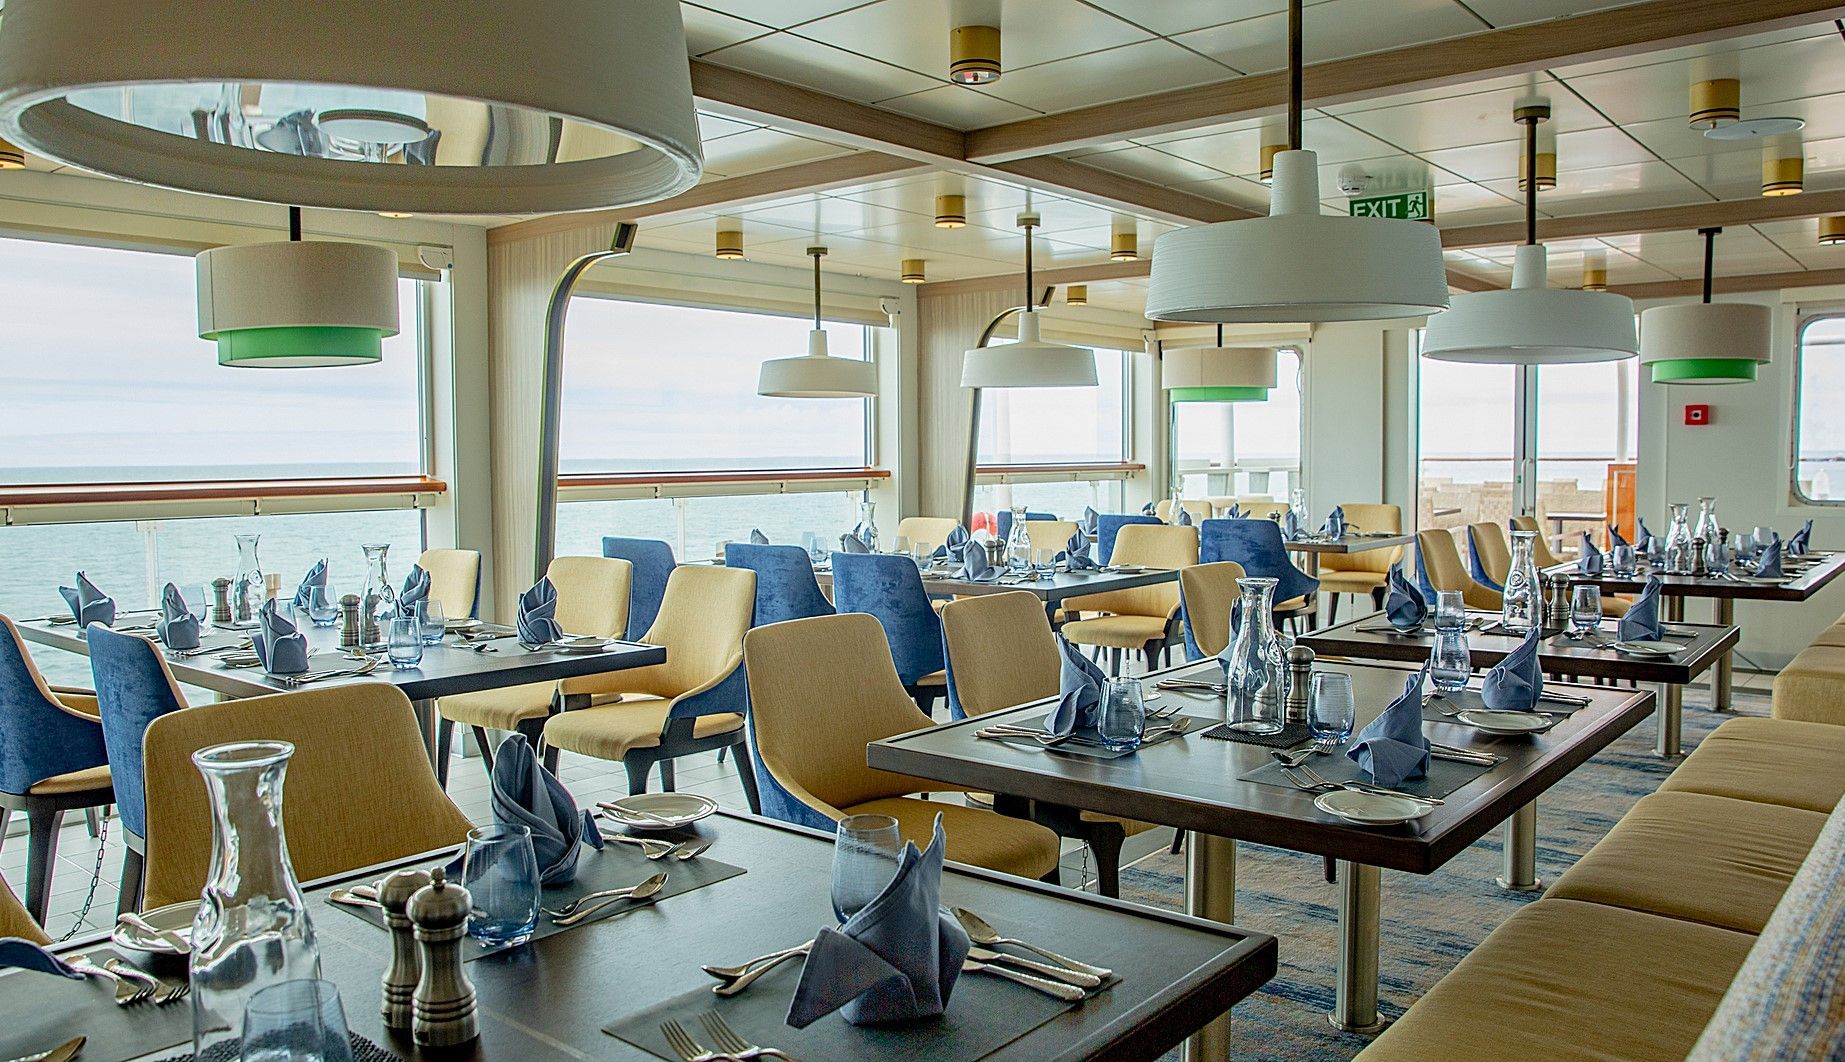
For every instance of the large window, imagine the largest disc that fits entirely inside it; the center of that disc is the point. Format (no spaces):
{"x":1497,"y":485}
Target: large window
{"x":1058,"y":425}
{"x":1468,"y":435}
{"x":1819,"y":431}
{"x":698,"y":527}
{"x":1242,"y":449}
{"x":1587,"y":437}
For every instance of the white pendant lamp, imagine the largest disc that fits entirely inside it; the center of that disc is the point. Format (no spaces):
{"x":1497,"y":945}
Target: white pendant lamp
{"x":422,"y":106}
{"x":1030,"y":362}
{"x":818,"y":374}
{"x":1297,"y":264}
{"x":1219,"y":373}
{"x":1533,"y":323}
{"x":1707,"y":342}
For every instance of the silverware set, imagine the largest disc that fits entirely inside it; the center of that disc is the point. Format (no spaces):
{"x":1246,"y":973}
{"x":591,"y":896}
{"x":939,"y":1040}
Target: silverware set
{"x":594,"y":903}
{"x":730,"y":1046}
{"x":61,"y":1053}
{"x":1317,"y":784}
{"x":653,"y":849}
{"x":134,"y":985}
{"x":297,"y":681}
{"x":238,"y":647}
{"x":1218,"y":688}
{"x":1453,"y":712}
{"x":1002,"y":731}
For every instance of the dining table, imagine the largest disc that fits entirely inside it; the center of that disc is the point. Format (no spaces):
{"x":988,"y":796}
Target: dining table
{"x":1222,"y":791}
{"x":1311,"y":547}
{"x":1053,"y":588}
{"x":485,"y":657}
{"x":604,"y":988}
{"x":1694,"y":648}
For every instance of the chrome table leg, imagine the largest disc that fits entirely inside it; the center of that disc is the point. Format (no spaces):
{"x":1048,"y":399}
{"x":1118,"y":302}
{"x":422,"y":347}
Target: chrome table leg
{"x":1355,"y":1000}
{"x":1210,"y":892}
{"x":1521,"y":851}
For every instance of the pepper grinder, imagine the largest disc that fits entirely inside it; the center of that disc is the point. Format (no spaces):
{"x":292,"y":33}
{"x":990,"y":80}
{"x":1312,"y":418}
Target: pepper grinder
{"x":1556,"y":604}
{"x":1300,"y":678}
{"x":351,"y":634}
{"x":221,"y":601}
{"x":444,"y":1009}
{"x":402,"y":976}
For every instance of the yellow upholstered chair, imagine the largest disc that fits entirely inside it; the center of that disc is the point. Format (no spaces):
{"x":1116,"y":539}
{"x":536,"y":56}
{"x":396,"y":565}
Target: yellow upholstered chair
{"x":1540,"y":551}
{"x":930,"y":531}
{"x":359,"y":790}
{"x":454,"y":580}
{"x":1141,"y":618}
{"x":821,"y":690}
{"x":14,"y":921}
{"x":1255,"y":506}
{"x":1053,"y":535}
{"x":1200,"y":508}
{"x":1210,"y":592}
{"x":592,"y":599}
{"x":1441,"y":562}
{"x":1367,"y":572}
{"x":694,"y":702}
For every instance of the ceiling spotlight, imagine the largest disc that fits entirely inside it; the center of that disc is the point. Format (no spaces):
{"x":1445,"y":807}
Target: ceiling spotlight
{"x":395,"y":214}
{"x":912,"y":271}
{"x":1544,"y":162}
{"x":1269,"y":151}
{"x":1755,"y":128}
{"x":1832,"y":229}
{"x":1715,"y":103}
{"x":1124,"y":246}
{"x":973,"y":55}
{"x":1078,"y":294}
{"x":1783,"y":167}
{"x":950,"y":211}
{"x":1595,"y":271}
{"x":730,"y":244}
{"x":11,"y":157}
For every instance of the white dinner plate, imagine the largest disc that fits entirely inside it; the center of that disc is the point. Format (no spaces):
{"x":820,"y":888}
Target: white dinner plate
{"x":581,"y":644}
{"x":1658,"y":650}
{"x":1371,"y":809}
{"x":663,"y":811}
{"x":1127,"y":569}
{"x":176,"y":917}
{"x":465,"y":623}
{"x":1506,"y":722}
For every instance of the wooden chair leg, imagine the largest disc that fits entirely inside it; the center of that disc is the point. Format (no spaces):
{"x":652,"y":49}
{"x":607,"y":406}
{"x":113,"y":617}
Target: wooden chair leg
{"x":41,"y":855}
{"x":6,"y":816}
{"x":1178,"y":842}
{"x":92,"y":821}
{"x":484,"y":745}
{"x":1105,"y":845}
{"x":1332,"y":870}
{"x":445,"y":737}
{"x":129,"y":899}
{"x":666,"y":776}
{"x":1332,"y":610}
{"x":726,"y":749}
{"x":638,"y":769}
{"x":1114,"y":662}
{"x":746,"y":774}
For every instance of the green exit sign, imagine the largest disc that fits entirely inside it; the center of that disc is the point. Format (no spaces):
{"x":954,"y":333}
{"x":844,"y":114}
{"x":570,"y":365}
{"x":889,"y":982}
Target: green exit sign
{"x":1402,"y":206}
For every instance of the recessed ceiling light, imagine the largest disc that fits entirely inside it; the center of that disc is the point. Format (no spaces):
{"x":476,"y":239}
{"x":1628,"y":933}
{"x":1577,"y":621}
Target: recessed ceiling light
{"x":1750,"y":128}
{"x":973,"y":55}
{"x":913,"y":271}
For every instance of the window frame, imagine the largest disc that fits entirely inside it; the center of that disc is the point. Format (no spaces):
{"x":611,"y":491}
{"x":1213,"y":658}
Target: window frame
{"x":987,"y":474}
{"x":1804,"y":319}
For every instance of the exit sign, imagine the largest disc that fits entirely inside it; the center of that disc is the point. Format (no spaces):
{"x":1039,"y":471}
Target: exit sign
{"x":1402,"y":206}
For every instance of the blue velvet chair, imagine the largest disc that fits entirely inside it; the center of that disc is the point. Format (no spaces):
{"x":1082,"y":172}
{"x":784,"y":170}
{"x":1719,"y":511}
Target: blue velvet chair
{"x":1258,"y":546}
{"x":785,"y":585}
{"x":133,"y":688}
{"x":1108,"y":525}
{"x":52,"y":759}
{"x":1002,"y":521}
{"x":653,"y":564}
{"x":888,"y":586}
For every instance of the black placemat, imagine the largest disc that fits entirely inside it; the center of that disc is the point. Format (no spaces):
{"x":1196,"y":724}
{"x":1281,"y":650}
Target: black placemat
{"x":1290,"y":735}
{"x":363,"y":1050}
{"x":1444,"y":777}
{"x":1416,"y":633}
{"x":616,"y":866}
{"x":1088,"y":741}
{"x":1471,"y":701}
{"x":985,"y":1013}
{"x":38,"y":1012}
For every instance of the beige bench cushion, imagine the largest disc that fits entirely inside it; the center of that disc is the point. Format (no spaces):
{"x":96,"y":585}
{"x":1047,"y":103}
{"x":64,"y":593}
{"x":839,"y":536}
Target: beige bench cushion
{"x":1708,"y":859}
{"x":1812,"y":686}
{"x":1773,"y":761}
{"x":1833,"y":635}
{"x":1564,"y":980}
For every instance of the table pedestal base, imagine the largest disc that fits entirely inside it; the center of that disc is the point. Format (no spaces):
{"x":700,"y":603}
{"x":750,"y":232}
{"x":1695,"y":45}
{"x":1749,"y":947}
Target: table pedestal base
{"x":1355,"y":999}
{"x":1521,"y":851}
{"x":1667,"y":720}
{"x":1210,"y":892}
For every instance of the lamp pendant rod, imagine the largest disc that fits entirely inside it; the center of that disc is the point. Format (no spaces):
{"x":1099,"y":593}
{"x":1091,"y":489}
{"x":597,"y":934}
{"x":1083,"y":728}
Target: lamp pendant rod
{"x":1029,"y":305}
{"x":1295,"y":90}
{"x":1710,"y":257}
{"x":294,"y":224}
{"x":1220,"y":333}
{"x":1531,"y":139}
{"x":816,"y":292}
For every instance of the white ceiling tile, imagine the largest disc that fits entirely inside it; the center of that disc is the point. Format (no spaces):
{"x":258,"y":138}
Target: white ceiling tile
{"x":1740,"y":252}
{"x":1239,"y":151}
{"x":1470,"y":204}
{"x":1459,"y":121}
{"x":1738,"y":174}
{"x":1770,"y":74}
{"x":1723,"y":51}
{"x":778,"y":13}
{"x":710,"y":127}
{"x":1151,"y":164}
{"x":914,"y":33}
{"x":764,"y":149}
{"x":1503,"y":13}
{"x":707,"y":31}
{"x":1671,"y":138}
{"x":1237,"y":191}
{"x":1171,"y":17}
{"x":1118,"y":73}
{"x":1629,"y":187}
{"x":1583,"y":149}
{"x":824,"y":213}
{"x":1800,"y":239}
{"x":1058,"y":216}
{"x":1532,"y":84}
{"x":958,"y":107}
{"x":916,"y":195}
{"x":821,"y":67}
{"x":1332,"y":30}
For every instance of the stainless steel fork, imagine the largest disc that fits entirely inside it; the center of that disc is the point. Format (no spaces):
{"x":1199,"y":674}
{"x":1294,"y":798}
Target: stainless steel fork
{"x":687,"y":1048}
{"x":726,"y":1039}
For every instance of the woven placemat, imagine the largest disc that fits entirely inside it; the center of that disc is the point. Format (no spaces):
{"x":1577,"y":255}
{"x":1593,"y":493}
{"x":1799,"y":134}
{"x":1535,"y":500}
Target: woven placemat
{"x":363,"y":1050}
{"x":1290,"y":735}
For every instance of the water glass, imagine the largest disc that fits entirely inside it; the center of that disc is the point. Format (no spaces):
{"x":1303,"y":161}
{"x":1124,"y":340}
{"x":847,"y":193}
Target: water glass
{"x":500,"y":871}
{"x":865,"y":850}
{"x":1625,"y":560}
{"x":1585,"y":609}
{"x":323,"y":606}
{"x":433,"y":620}
{"x":403,"y":639}
{"x":1451,"y":662}
{"x":198,"y":603}
{"x":1763,"y":536}
{"x":1123,"y":718}
{"x":1331,"y":713}
{"x":901,"y":544}
{"x":296,"y":1021}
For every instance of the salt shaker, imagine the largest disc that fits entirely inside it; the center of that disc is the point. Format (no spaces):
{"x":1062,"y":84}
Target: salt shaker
{"x":1300,"y":677}
{"x":444,"y":1009}
{"x":351,"y":631}
{"x":221,"y":601}
{"x":402,"y":976}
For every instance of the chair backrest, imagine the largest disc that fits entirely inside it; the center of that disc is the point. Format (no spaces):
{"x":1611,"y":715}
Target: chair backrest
{"x":133,"y":688}
{"x":888,"y":586}
{"x":454,"y":580}
{"x":1440,"y":568}
{"x":653,"y":564}
{"x":39,"y":736}
{"x":703,"y":615}
{"x":785,"y":585}
{"x":592,"y":595}
{"x":15,"y":920}
{"x":1001,"y":652}
{"x":822,"y":689}
{"x":930,"y":531}
{"x":1154,"y":546}
{"x":359,"y":789}
{"x":1540,"y":548}
{"x":1200,"y":508}
{"x":1002,"y":521}
{"x":1210,"y":592}
{"x":1489,"y":555}
{"x":1257,"y":506}
{"x":1050,"y":534}
{"x":1373,"y":517}
{"x":1256,"y":544}
{"x":1109,"y":525}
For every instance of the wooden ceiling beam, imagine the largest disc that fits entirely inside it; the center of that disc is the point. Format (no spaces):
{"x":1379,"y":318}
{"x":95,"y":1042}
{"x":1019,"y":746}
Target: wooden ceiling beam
{"x":1674,"y":289}
{"x":1104,"y":271}
{"x":1621,"y":31}
{"x":1653,"y":219}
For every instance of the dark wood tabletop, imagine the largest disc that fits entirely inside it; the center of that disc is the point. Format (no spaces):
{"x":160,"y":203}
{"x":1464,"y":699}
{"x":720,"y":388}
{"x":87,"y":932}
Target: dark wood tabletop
{"x":1050,"y":587}
{"x":1196,"y":783}
{"x":1362,"y":639}
{"x":1824,"y":568}
{"x":1357,"y":542}
{"x":552,"y":997}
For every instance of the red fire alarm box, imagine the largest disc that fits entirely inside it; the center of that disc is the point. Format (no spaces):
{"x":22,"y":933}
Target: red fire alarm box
{"x":1697,"y":415}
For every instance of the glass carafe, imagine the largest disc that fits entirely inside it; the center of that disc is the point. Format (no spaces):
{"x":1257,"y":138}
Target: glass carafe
{"x":1523,"y":594}
{"x":1678,"y":556}
{"x":1018,"y":541}
{"x":867,"y":529}
{"x":1257,"y":673}
{"x":247,"y":587}
{"x":252,"y":928}
{"x":1706,"y":528}
{"x":378,"y":601}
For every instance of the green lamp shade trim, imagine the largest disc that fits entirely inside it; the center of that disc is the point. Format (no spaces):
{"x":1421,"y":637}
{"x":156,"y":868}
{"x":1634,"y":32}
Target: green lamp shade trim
{"x":301,"y":347}
{"x":1217,"y":394}
{"x":1704,"y":370}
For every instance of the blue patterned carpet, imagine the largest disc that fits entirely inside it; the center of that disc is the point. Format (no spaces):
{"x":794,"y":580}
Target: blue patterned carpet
{"x":1429,"y":922}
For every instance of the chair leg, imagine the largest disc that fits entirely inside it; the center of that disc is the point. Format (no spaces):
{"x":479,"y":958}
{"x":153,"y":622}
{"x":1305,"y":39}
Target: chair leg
{"x":638,"y":769}
{"x":1114,"y":662}
{"x":129,"y":899}
{"x":484,"y":745}
{"x":722,"y":751}
{"x":1332,"y":870}
{"x":666,"y":776}
{"x":1377,"y":597}
{"x":445,"y":739}
{"x":1332,"y":610}
{"x":6,"y":816}
{"x":1105,"y":845}
{"x":92,"y":821}
{"x":1178,"y":842}
{"x":41,"y":855}
{"x":746,"y":774}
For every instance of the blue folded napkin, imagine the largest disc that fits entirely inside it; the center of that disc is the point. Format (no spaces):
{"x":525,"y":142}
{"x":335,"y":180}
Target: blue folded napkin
{"x":975,"y":567}
{"x":1641,"y":621}
{"x":1404,"y":606}
{"x":1184,"y":517}
{"x":177,"y":627}
{"x":1650,"y":545}
{"x":1150,"y":509}
{"x":1090,"y":522}
{"x":17,"y":953}
{"x":757,"y":538}
{"x":1391,"y":747}
{"x":415,"y":591}
{"x":1075,"y":555}
{"x":951,"y":544}
{"x":1799,"y":543}
{"x":1589,"y":561}
{"x":87,"y":604}
{"x":1290,"y":525}
{"x":1768,"y":565}
{"x":316,"y":577}
{"x":525,"y":794}
{"x":1615,"y":541}
{"x":851,"y":543}
{"x":1236,"y":511}
{"x":895,"y":960}
{"x":1335,"y":523}
{"x":538,"y":614}
{"x":1079,"y":698}
{"x":280,"y":648}
{"x":1513,"y":684}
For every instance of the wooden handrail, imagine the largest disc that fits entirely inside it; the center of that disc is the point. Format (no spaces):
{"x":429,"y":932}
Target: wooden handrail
{"x":211,"y":490}
{"x":796,"y":475}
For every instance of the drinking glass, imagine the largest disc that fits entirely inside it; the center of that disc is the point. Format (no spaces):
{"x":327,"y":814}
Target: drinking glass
{"x":198,"y":603}
{"x":1123,"y":719}
{"x":323,"y":606}
{"x":500,"y":871}
{"x":403,"y":638}
{"x":901,"y":544}
{"x":1625,"y":560}
{"x":1585,"y":609}
{"x":1763,"y":536}
{"x":1451,"y":663}
{"x":1331,"y":713}
{"x":865,"y":852}
{"x":432,"y":619}
{"x":296,"y":1021}
{"x":1045,"y":560}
